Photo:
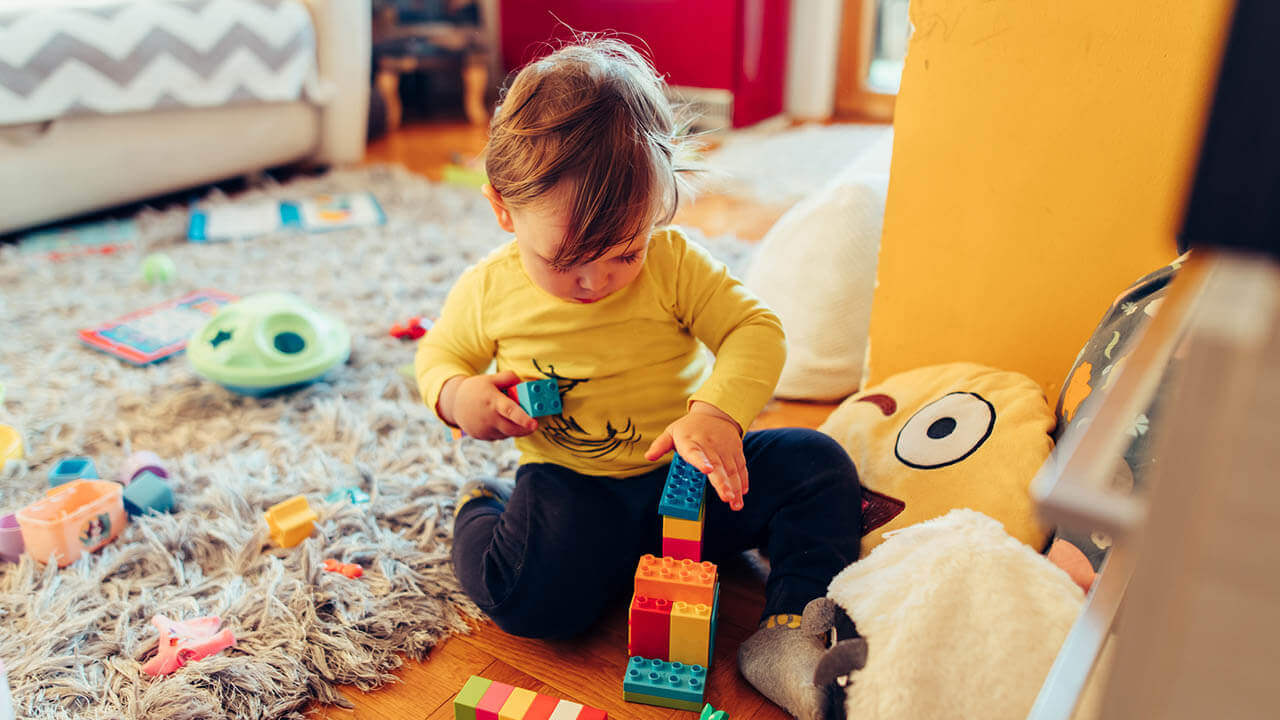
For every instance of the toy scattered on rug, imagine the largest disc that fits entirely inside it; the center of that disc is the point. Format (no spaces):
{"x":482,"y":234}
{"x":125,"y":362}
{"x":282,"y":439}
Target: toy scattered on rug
{"x":158,"y":269}
{"x":959,"y":435}
{"x":320,"y":213}
{"x":351,"y":494}
{"x":961,"y":620}
{"x":350,"y":570}
{"x":484,"y":699}
{"x":11,"y":542}
{"x":291,"y":521}
{"x":710,"y":713}
{"x":6,"y":701}
{"x":268,"y":343}
{"x":93,"y":238}
{"x":186,"y":641}
{"x":411,"y":330}
{"x":157,"y":332}
{"x":74,"y":517}
{"x":10,"y":445}
{"x":671,"y":625}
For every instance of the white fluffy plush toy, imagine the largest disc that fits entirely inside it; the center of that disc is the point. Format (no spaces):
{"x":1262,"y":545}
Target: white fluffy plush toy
{"x":960,"y":621}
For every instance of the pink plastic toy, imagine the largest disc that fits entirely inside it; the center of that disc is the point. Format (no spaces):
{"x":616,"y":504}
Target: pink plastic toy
{"x":185,"y":641}
{"x":73,"y":518}
{"x":140,"y":461}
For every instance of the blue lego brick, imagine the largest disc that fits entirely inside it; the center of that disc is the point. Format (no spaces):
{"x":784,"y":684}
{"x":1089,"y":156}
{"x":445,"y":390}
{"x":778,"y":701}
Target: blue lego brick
{"x":660,"y":701}
{"x":677,"y":681}
{"x":539,"y":397}
{"x":72,"y":468}
{"x":682,"y":495}
{"x":148,"y":493}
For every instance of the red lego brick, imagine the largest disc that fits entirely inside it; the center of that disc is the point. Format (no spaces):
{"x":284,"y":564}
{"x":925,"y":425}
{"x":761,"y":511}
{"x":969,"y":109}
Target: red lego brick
{"x":649,"y":627}
{"x":542,"y":707}
{"x":589,"y":713}
{"x":494,"y":698}
{"x":682,"y":549}
{"x":673,"y":579}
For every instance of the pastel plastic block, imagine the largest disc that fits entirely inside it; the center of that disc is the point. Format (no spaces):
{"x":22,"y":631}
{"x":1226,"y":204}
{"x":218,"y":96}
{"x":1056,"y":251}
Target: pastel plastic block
{"x":682,"y":549}
{"x":148,"y":493}
{"x":291,"y":521}
{"x":72,"y":468}
{"x":351,"y":494}
{"x":542,"y":707}
{"x":493,"y":700}
{"x":517,"y":704}
{"x":674,"y":680}
{"x":660,"y":701}
{"x":684,"y":491}
{"x":182,"y":642}
{"x":649,"y":627}
{"x":674,"y":527}
{"x":538,"y":397}
{"x":674,"y":580}
{"x":73,"y":518}
{"x":567,"y":710}
{"x":464,"y":705}
{"x":11,"y":544}
{"x":140,"y":462}
{"x":349,"y":570}
{"x":10,"y":445}
{"x":690,"y":641}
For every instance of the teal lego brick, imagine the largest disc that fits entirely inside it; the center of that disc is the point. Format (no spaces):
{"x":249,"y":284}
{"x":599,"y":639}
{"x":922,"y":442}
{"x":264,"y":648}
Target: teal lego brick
{"x":539,"y":397}
{"x":673,"y":680}
{"x":715,"y":616}
{"x":661,"y":701}
{"x":683,"y":493}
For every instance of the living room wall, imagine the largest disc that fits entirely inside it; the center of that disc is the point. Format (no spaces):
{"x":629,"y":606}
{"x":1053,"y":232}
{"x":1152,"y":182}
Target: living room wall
{"x":1042,"y":156}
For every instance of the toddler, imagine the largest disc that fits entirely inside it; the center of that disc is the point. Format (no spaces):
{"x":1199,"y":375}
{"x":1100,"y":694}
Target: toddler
{"x":597,"y":294}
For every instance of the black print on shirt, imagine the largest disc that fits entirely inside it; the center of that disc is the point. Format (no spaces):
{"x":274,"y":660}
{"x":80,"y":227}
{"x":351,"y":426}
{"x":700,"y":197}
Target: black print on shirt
{"x":564,"y":432}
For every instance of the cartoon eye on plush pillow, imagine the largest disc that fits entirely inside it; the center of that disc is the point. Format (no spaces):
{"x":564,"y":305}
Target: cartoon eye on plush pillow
{"x":931,"y":440}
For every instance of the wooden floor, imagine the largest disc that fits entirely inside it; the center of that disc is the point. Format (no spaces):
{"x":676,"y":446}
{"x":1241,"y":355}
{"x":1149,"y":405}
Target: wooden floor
{"x":589,"y":669}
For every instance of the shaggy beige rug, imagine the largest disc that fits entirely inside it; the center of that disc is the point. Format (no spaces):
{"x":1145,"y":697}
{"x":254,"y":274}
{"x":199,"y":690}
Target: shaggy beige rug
{"x":73,"y":639}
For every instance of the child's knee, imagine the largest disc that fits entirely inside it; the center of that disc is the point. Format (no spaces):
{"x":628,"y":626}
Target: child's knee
{"x":822,"y":451}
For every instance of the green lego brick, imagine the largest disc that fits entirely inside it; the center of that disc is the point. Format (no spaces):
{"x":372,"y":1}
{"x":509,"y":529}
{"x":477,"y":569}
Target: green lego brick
{"x":464,"y":706}
{"x":683,"y":493}
{"x":661,"y":701}
{"x":677,"y":681}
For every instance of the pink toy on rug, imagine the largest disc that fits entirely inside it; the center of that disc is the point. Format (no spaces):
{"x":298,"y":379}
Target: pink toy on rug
{"x":184,"y":641}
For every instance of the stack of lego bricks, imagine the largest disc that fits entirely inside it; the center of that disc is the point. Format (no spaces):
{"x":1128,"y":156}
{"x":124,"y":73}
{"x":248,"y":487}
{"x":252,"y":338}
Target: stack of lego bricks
{"x":672,"y":622}
{"x":483,"y":699}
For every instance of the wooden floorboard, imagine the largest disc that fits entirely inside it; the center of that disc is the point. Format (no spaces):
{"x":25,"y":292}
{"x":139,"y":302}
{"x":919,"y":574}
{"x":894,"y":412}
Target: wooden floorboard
{"x":588,"y":669}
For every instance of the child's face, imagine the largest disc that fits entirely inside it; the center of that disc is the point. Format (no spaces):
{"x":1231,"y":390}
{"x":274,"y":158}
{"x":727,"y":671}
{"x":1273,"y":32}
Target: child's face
{"x":540,"y":229}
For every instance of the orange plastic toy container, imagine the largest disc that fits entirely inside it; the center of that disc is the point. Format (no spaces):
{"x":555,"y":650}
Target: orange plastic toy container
{"x":75,"y":517}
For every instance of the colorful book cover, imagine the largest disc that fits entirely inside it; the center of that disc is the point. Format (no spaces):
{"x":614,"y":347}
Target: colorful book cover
{"x":157,"y":332}
{"x":319,"y":213}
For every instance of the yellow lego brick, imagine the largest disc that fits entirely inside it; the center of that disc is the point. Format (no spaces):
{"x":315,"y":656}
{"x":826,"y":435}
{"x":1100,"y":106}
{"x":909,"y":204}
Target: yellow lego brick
{"x":672,"y":580}
{"x":679,"y":528}
{"x":291,"y":521}
{"x":690,"y":634}
{"x":517,"y":704}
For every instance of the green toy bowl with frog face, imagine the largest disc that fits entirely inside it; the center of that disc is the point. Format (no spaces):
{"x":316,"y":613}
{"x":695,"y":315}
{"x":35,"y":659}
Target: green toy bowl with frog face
{"x":268,"y":343}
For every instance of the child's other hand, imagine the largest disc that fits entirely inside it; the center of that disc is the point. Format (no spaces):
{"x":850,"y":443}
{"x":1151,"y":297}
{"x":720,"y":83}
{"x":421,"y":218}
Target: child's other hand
{"x":478,"y":405}
{"x":711,"y":441}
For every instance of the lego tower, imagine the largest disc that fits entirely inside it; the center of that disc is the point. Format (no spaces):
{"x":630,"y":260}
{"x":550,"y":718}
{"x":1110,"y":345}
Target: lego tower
{"x":672,"y":622}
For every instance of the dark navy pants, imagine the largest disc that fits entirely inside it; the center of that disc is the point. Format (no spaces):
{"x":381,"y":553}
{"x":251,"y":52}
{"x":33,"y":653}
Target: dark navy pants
{"x":567,"y":544}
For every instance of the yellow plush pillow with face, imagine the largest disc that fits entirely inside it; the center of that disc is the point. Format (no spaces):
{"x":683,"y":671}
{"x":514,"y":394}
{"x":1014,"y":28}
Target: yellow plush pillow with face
{"x":931,"y":440}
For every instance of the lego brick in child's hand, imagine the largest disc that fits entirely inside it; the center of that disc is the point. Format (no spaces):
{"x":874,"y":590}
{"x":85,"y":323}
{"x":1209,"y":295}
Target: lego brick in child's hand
{"x":711,"y":441}
{"x":479,"y":405}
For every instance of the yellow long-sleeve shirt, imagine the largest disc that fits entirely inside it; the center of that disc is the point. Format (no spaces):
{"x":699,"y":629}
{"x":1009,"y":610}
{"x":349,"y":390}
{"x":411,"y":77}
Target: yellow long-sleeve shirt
{"x":627,"y":366}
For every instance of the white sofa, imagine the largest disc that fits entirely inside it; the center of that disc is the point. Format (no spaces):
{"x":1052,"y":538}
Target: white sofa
{"x":65,"y":167}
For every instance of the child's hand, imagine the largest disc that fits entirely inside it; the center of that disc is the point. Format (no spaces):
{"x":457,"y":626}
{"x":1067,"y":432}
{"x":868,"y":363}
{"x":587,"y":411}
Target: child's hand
{"x":478,"y":405}
{"x":711,"y":441}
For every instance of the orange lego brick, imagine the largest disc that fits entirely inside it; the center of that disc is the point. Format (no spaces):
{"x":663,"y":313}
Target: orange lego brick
{"x":674,"y":527}
{"x":674,"y":579}
{"x":648,"y":626}
{"x":517,"y":704}
{"x":682,"y":549}
{"x":291,"y":521}
{"x":690,"y":641}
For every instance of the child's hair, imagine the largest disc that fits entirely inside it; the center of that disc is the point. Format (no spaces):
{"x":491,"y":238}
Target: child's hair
{"x":593,"y":113}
